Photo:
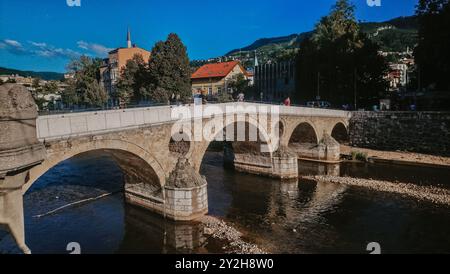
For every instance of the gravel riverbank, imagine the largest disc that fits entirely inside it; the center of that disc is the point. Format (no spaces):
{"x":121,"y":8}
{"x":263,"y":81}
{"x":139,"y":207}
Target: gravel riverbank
{"x":426,"y":193}
{"x":235,"y":244}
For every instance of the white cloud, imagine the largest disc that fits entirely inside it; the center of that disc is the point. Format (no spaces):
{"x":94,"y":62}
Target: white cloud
{"x":12,"y":46}
{"x":39,"y":45}
{"x":37,"y":49}
{"x":98,"y":49}
{"x":46,"y":50}
{"x":13,"y":43}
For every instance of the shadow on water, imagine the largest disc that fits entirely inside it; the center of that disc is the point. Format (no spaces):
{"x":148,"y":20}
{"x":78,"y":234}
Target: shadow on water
{"x":281,"y":217}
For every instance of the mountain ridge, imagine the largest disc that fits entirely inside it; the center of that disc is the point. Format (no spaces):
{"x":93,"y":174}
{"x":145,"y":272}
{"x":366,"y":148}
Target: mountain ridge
{"x":403,"y":27}
{"x":44,"y":75}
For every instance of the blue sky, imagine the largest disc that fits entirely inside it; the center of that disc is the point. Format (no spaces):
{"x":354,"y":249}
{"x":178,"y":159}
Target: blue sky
{"x":43,"y":35}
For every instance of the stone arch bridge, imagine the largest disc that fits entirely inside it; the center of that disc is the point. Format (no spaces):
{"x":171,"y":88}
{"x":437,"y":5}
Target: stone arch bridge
{"x":161,"y":173}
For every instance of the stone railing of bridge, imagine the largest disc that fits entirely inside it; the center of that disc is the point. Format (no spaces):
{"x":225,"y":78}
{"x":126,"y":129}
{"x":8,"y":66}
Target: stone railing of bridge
{"x":88,"y":123}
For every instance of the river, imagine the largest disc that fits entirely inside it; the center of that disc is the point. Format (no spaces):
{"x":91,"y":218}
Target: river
{"x":281,"y":217}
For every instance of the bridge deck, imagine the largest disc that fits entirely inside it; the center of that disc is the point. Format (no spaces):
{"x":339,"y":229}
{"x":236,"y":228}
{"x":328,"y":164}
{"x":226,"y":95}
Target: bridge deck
{"x":87,"y":123}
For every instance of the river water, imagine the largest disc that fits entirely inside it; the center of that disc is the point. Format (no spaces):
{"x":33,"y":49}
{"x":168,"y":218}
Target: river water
{"x":281,"y":217}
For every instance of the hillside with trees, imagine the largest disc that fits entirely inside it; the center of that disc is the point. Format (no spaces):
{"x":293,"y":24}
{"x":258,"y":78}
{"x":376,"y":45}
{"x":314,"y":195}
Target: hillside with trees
{"x":394,"y":35}
{"x":34,"y":74}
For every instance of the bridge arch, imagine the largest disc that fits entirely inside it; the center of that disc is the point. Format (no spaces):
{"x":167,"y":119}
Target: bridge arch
{"x":304,"y":132}
{"x":340,"y":133}
{"x":57,"y":156}
{"x":264,"y":137}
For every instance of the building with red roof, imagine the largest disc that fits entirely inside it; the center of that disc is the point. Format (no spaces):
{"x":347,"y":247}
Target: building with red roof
{"x":213,"y":79}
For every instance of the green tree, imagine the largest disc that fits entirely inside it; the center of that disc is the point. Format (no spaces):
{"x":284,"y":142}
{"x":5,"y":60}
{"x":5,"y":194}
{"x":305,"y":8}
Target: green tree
{"x":339,"y":59}
{"x":339,"y":26}
{"x":224,"y":97}
{"x":41,"y":103}
{"x":36,"y":84}
{"x":69,"y":95}
{"x":133,"y":81}
{"x":239,"y":85}
{"x":50,"y":87}
{"x":94,"y":95}
{"x":432,"y":54}
{"x":169,"y":71}
{"x":85,"y":89}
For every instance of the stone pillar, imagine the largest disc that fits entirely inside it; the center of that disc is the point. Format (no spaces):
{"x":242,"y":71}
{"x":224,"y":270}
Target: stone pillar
{"x":329,"y":149}
{"x":11,"y":214}
{"x":20,"y":150}
{"x":186,"y":193}
{"x":284,"y":164}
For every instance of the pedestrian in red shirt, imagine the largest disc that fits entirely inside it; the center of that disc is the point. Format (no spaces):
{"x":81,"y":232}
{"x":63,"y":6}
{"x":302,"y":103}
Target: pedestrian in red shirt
{"x":287,"y":102}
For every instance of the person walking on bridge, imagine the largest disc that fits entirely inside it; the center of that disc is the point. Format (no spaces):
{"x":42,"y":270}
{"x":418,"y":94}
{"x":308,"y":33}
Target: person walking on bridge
{"x":287,"y":102}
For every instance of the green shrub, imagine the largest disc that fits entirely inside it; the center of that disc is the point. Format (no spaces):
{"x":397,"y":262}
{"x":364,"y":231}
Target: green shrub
{"x":359,"y":156}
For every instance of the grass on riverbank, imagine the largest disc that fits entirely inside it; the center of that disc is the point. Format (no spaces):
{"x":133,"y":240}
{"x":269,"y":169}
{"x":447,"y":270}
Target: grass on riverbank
{"x":359,"y":156}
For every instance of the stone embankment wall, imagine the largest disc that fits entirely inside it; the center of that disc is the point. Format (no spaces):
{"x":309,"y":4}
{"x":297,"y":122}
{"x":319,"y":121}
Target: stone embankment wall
{"x":422,"y":132}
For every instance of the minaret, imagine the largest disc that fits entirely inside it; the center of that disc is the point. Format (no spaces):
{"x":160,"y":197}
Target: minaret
{"x":256,"y":60}
{"x":128,"y":38}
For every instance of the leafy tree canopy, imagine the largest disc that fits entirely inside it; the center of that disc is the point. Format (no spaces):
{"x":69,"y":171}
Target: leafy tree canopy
{"x":432,"y":54}
{"x":169,"y":71}
{"x":85,"y":89}
{"x":338,"y":60}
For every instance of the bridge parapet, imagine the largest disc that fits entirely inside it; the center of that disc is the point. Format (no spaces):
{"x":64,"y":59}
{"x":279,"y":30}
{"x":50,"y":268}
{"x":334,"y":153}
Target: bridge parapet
{"x":88,"y":123}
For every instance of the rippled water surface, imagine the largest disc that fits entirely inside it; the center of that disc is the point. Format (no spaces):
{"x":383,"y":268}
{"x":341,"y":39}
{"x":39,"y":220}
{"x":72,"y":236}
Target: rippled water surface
{"x":298,"y":217}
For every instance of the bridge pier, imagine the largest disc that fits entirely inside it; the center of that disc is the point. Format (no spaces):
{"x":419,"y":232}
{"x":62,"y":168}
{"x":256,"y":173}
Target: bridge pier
{"x":185,"y":195}
{"x":20,"y":150}
{"x":328,"y":150}
{"x":11,"y":212}
{"x":282,"y":165}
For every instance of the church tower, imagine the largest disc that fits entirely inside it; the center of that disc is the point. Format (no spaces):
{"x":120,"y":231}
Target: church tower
{"x":128,"y":38}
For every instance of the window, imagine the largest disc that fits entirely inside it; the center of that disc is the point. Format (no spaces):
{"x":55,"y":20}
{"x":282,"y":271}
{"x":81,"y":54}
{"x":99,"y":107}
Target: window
{"x":219,"y":90}
{"x":210,"y":90}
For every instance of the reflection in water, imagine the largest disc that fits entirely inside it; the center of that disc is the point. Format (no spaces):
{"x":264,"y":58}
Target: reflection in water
{"x":329,"y":218}
{"x":394,"y":173}
{"x":314,"y":168}
{"x":281,"y":217}
{"x":147,"y":233}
